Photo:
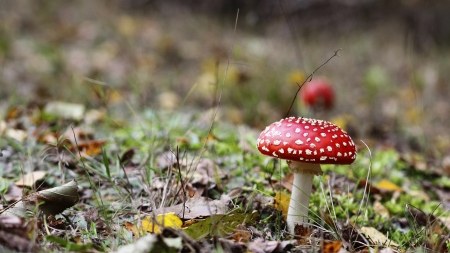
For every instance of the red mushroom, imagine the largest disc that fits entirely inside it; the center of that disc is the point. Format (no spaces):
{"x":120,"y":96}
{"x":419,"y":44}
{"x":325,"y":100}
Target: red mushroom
{"x":318,"y":94}
{"x":305,"y":144}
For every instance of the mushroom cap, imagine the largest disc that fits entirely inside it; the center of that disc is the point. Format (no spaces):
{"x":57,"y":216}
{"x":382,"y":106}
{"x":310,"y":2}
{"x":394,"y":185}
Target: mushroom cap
{"x":318,"y":93}
{"x":308,"y":141}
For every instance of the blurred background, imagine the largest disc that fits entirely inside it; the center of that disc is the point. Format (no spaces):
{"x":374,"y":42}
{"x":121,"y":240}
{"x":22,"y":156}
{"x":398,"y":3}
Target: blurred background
{"x":389,"y":83}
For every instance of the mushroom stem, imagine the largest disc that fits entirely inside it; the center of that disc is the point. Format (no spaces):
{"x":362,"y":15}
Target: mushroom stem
{"x":301,"y":190}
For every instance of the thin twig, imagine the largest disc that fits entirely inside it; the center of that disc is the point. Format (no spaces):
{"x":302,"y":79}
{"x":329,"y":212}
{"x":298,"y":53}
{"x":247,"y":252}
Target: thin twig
{"x":309,"y":78}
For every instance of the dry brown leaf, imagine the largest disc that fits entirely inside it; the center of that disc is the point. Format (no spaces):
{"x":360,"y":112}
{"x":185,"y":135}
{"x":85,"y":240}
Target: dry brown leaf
{"x":14,"y":193}
{"x":301,"y":233}
{"x":30,"y":178}
{"x":50,"y":202}
{"x":331,"y":247}
{"x":14,"y":234}
{"x":199,"y":207}
{"x":377,"y":237}
{"x":380,"y":209}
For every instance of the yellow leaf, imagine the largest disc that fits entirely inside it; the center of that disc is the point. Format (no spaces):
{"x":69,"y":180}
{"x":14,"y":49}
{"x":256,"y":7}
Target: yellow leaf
{"x":162,"y":220}
{"x":295,"y":77}
{"x":387,"y":185}
{"x":282,"y":202}
{"x":377,"y":237}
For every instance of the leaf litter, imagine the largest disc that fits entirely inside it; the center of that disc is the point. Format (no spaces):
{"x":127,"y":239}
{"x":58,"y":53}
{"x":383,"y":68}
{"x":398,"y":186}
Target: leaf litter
{"x":191,"y":200}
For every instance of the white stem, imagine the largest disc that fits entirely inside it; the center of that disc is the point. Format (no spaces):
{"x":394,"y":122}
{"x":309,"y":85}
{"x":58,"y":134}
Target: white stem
{"x":301,"y":191}
{"x":299,"y":204}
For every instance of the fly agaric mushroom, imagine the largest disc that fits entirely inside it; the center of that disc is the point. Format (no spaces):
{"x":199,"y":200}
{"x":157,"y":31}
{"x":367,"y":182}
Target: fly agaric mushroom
{"x":318,"y":94}
{"x":305,"y":144}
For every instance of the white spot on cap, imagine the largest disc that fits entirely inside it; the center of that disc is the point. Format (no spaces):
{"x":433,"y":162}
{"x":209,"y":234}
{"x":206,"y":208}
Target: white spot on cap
{"x":297,"y":130}
{"x":337,"y":145}
{"x":322,"y":150}
{"x":285,"y":143}
{"x":339,"y":154}
{"x":281,"y":151}
{"x":276,"y":142}
{"x":323,"y":158}
{"x":265,"y":148}
{"x":329,"y":148}
{"x":290,"y":150}
{"x":274,"y":154}
{"x":317,"y":139}
{"x":289,"y":125}
{"x":308,"y":152}
{"x":315,"y":152}
{"x":306,"y":127}
{"x":323,"y":134}
{"x":301,"y":158}
{"x":295,"y":152}
{"x":315,"y":129}
{"x":345,"y":144}
{"x":334,"y":136}
{"x":308,"y":140}
{"x":298,"y":142}
{"x":312,"y":145}
{"x":288,"y":135}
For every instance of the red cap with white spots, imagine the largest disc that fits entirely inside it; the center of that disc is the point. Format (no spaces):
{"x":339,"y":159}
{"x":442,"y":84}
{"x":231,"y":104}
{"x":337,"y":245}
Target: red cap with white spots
{"x":308,"y":141}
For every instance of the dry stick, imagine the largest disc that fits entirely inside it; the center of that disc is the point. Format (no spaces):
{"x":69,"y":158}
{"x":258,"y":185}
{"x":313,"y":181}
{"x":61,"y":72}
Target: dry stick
{"x":130,"y":191}
{"x":309,"y":78}
{"x":177,"y":157}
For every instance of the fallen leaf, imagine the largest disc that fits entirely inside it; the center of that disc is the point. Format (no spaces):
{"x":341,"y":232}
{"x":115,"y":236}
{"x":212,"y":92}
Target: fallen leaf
{"x":380,"y":209}
{"x":14,"y":234}
{"x":331,"y":247}
{"x":145,"y":244}
{"x":65,"y":110}
{"x":14,"y":193}
{"x":219,"y":225}
{"x":132,"y":228}
{"x":162,"y":220}
{"x":199,"y":207}
{"x":281,"y":202}
{"x":387,"y":185}
{"x":377,"y":237}
{"x":90,"y":148}
{"x":241,"y":234}
{"x":30,"y":178}
{"x":301,"y":233}
{"x":16,"y":134}
{"x":2,"y":126}
{"x":260,"y":245}
{"x":50,"y":202}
